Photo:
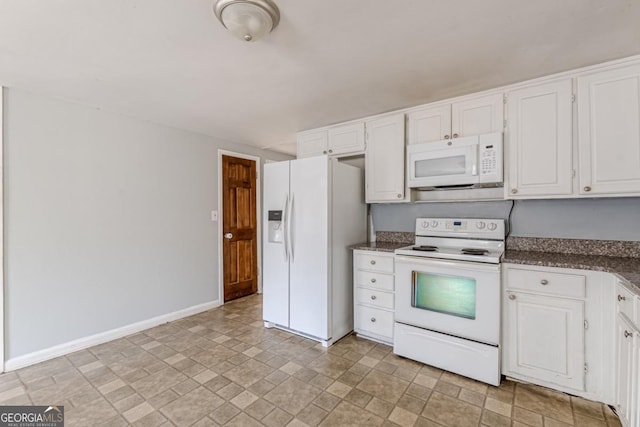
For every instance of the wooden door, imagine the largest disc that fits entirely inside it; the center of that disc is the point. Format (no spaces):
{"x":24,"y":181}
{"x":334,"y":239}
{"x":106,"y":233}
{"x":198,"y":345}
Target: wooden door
{"x":430,"y":125}
{"x":384,"y":158}
{"x":239,"y":225}
{"x":539,"y":140}
{"x":477,"y":116}
{"x":609,"y":131}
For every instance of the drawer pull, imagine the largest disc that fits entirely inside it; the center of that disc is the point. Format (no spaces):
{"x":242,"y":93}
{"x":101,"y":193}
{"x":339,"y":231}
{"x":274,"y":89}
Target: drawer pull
{"x":621,"y":298}
{"x":373,"y":320}
{"x":544,"y":282}
{"x":373,"y":262}
{"x":627,"y":334}
{"x":373,"y":280}
{"x":512,"y":297}
{"x":373,"y":297}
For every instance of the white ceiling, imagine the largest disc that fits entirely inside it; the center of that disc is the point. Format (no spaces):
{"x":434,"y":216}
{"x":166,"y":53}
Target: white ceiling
{"x":171,"y":62}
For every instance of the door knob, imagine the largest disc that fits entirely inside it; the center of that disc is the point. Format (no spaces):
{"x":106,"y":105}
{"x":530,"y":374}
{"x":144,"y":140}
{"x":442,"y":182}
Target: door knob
{"x":228,"y":236}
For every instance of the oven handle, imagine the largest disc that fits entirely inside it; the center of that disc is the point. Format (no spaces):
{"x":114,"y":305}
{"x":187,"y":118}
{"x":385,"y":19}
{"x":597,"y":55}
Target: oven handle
{"x":476,"y":266}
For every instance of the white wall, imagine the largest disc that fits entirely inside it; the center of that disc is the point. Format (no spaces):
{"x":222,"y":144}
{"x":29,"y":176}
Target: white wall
{"x":600,"y":219}
{"x":107,"y":220}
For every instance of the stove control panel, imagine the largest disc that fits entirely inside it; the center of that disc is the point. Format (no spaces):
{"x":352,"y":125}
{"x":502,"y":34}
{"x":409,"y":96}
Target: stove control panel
{"x":478,"y":228}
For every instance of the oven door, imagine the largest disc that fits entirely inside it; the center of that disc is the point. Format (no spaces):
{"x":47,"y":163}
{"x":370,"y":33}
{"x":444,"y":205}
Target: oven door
{"x":452,"y":297}
{"x":453,"y":162}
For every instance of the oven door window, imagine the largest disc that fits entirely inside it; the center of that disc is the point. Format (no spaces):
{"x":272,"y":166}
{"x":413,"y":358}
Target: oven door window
{"x":442,"y":166}
{"x":452,"y":295}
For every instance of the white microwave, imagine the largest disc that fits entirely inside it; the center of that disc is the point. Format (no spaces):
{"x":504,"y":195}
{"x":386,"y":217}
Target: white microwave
{"x":471,"y":161}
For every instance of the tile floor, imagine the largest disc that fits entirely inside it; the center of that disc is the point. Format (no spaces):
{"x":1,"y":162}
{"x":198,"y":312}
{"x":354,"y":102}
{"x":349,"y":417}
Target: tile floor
{"x":222,"y":367}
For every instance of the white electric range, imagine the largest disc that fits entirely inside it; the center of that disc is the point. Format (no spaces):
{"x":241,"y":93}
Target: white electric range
{"x":447,"y":301}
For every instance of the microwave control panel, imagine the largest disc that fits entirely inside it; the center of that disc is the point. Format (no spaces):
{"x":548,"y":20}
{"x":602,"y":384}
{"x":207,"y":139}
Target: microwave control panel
{"x":490,"y":158}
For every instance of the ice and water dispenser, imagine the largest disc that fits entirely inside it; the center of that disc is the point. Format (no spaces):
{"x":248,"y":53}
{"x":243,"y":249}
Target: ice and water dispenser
{"x":275,"y":227}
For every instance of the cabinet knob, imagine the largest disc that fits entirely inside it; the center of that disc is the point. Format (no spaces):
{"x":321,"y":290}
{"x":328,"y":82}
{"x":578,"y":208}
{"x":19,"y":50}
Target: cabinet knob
{"x":373,"y":262}
{"x":621,"y":298}
{"x":587,"y":188}
{"x":373,"y":320}
{"x":544,"y":282}
{"x":512,"y":297}
{"x":447,"y":137}
{"x":373,"y":280}
{"x":324,"y":152}
{"x":455,"y":135}
{"x":373,"y":297}
{"x":627,"y":334}
{"x":330,"y":151}
{"x":514,"y":190}
{"x":399,"y":196}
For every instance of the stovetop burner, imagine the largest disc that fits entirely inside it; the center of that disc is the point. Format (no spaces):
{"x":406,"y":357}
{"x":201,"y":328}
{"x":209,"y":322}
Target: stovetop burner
{"x":425,"y":248}
{"x":474,"y":251}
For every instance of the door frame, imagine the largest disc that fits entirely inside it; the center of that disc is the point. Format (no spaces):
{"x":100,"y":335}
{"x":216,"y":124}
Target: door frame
{"x":256,"y":159}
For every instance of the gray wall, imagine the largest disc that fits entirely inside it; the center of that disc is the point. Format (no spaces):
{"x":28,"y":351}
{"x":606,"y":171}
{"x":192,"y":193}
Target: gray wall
{"x":601,"y":219}
{"x":107,"y":220}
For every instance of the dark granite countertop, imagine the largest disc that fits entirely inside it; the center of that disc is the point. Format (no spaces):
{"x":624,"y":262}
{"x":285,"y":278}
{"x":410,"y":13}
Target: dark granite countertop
{"x":626,"y":268}
{"x":379,"y":246}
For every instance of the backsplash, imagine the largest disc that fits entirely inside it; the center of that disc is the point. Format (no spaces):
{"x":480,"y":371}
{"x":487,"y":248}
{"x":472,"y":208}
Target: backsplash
{"x":575,"y":246}
{"x":395,"y":237}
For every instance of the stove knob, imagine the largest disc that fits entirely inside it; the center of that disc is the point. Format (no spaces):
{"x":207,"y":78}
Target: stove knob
{"x":425,"y":224}
{"x":434,"y":223}
{"x":480,"y":225}
{"x":492,"y":226}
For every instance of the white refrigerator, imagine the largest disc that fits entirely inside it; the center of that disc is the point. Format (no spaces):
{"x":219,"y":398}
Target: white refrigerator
{"x":313,"y":211}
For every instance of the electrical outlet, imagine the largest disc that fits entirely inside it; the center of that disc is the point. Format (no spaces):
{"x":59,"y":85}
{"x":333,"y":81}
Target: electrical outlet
{"x":214,"y":215}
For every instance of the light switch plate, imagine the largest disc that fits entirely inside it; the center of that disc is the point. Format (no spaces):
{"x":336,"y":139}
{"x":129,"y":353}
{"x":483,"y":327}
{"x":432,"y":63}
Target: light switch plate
{"x":214,"y":215}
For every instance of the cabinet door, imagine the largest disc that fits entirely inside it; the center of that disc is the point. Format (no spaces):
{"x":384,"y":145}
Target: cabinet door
{"x":312,"y":143}
{"x":609,"y":131}
{"x":477,"y":116}
{"x":346,"y":139}
{"x":624,"y":370}
{"x":430,"y":124}
{"x":545,"y":339}
{"x":384,"y":160}
{"x":539,"y":133}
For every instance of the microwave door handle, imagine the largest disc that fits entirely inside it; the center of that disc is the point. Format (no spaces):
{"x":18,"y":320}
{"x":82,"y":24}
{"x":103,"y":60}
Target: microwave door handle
{"x":474,"y":160}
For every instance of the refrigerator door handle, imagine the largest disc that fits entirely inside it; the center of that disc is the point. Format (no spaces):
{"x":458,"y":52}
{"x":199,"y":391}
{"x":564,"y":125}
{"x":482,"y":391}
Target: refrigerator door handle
{"x":284,"y":229}
{"x":289,"y":221}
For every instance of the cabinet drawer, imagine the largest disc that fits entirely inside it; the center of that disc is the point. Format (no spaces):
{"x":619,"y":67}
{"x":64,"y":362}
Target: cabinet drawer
{"x":373,"y":297}
{"x":374,"y":280}
{"x":373,"y":262}
{"x":625,"y":302}
{"x":374,"y":321}
{"x":562,"y":284}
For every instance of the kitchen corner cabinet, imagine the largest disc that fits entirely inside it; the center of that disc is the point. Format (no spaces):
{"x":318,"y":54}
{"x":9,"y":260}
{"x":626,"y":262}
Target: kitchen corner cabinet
{"x":609,"y":131}
{"x":473,"y":116}
{"x":339,"y":140}
{"x":556,"y":329}
{"x":373,"y":295}
{"x":539,"y":134}
{"x":384,"y":160}
{"x":627,"y":358}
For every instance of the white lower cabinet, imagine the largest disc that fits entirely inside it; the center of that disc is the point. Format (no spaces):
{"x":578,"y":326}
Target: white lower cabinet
{"x":627,"y":359}
{"x":373,"y":295}
{"x":556,"y":324}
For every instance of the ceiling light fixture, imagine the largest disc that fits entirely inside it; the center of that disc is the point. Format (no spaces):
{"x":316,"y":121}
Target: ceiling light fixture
{"x":248,"y":20}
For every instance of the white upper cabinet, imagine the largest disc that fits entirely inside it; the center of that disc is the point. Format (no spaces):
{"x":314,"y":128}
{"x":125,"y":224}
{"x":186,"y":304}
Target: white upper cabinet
{"x":474,"y":116}
{"x":609,"y":131}
{"x":477,"y":116}
{"x":384,"y":160}
{"x":430,"y":124}
{"x":539,"y":140}
{"x":338,"y":140}
{"x":346,"y":139}
{"x":312,"y":143}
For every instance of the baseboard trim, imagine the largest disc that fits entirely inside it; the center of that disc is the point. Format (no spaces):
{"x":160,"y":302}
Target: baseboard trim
{"x":102,"y":337}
